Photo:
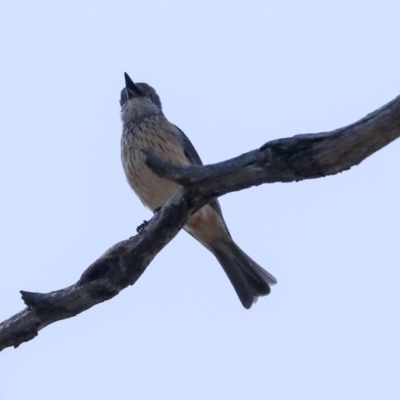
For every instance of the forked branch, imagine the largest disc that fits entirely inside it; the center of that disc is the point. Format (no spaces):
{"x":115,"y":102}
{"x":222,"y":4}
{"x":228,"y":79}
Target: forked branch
{"x":284,"y":160}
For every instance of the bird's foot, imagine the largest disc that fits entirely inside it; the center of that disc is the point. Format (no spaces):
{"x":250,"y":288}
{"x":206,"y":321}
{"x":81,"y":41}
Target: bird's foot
{"x":141,"y":227}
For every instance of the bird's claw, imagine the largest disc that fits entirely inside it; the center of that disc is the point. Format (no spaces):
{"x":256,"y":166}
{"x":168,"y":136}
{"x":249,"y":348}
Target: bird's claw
{"x":141,"y":227}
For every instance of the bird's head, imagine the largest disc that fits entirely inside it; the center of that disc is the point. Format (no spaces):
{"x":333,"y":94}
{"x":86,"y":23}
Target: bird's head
{"x":139,"y":99}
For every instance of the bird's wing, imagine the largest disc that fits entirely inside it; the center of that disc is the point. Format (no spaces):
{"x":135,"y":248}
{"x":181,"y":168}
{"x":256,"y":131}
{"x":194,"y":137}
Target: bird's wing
{"x":194,"y":158}
{"x":190,"y":151}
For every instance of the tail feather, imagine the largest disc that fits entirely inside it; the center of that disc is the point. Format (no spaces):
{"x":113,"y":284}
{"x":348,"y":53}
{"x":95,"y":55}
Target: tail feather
{"x":249,"y":279}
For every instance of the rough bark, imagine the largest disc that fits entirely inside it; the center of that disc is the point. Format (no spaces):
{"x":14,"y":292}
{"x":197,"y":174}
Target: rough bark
{"x":284,"y":160}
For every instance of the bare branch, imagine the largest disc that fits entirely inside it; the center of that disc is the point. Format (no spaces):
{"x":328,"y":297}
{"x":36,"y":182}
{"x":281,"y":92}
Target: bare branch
{"x":284,"y":160}
{"x":119,"y":267}
{"x":291,"y":159}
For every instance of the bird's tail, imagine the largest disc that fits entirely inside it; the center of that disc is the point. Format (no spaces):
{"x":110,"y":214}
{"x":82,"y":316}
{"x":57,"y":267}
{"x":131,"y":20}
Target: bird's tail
{"x":249,"y":279}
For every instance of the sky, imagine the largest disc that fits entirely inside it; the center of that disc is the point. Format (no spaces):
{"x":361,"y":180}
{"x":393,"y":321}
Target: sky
{"x":232,"y":75}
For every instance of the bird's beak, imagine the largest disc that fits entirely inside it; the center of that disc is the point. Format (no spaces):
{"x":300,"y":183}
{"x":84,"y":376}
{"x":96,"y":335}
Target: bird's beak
{"x":129,"y":83}
{"x":131,"y":88}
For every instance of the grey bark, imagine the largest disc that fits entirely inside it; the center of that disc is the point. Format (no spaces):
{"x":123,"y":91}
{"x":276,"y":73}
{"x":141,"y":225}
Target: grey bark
{"x":285,"y":160}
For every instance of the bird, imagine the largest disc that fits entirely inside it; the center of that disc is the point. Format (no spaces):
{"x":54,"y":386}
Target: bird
{"x":145,"y":127}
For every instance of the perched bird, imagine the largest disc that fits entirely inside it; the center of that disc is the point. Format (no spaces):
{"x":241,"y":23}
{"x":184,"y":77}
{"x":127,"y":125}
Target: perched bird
{"x":146,"y":127}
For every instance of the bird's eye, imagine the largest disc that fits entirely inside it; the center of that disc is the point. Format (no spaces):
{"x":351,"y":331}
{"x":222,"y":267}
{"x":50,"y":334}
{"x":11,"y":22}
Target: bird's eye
{"x":151,"y":97}
{"x":124,"y":97}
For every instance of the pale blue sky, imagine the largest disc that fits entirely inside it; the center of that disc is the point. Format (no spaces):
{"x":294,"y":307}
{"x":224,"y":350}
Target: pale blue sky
{"x":232,"y":75}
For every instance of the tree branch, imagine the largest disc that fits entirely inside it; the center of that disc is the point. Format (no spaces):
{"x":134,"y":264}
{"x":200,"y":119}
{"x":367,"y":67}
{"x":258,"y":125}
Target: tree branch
{"x":284,"y":160}
{"x":297,"y":158}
